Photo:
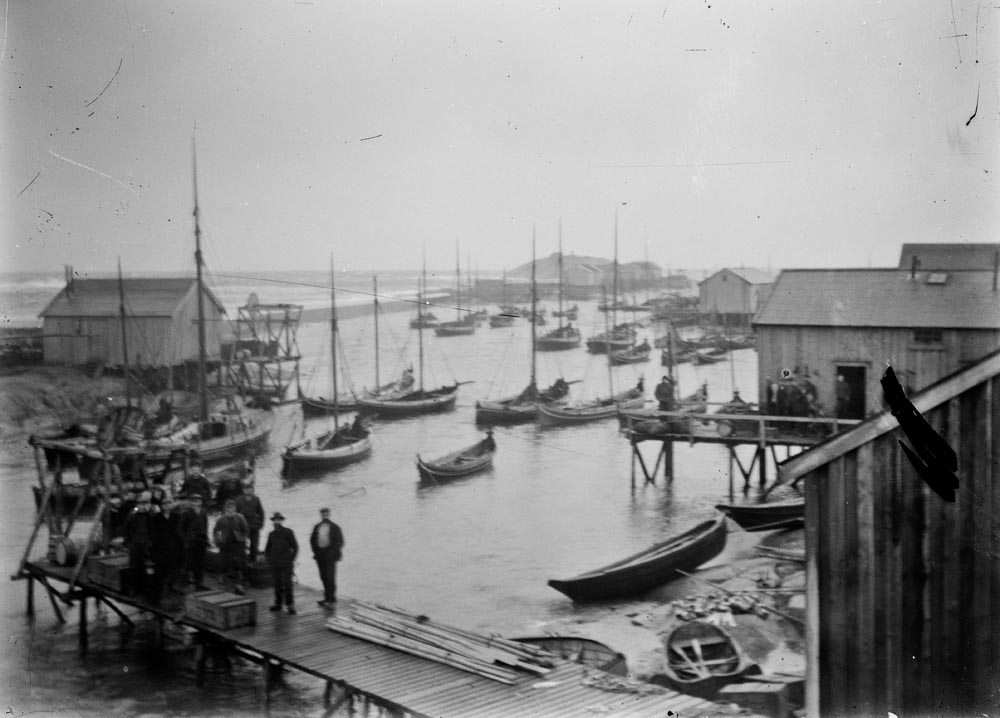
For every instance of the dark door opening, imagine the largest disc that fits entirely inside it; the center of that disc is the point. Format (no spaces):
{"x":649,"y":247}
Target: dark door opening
{"x":850,"y":392}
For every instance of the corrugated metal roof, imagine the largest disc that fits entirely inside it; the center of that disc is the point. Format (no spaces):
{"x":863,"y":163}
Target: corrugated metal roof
{"x":747,"y":274}
{"x":965,"y":255}
{"x":881,"y":298}
{"x":145,"y":297}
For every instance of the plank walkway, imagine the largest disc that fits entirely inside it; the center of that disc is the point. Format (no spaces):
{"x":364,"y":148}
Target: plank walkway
{"x":362,"y":673}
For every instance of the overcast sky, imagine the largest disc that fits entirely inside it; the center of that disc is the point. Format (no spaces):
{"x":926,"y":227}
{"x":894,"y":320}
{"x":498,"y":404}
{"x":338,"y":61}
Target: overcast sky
{"x":724,"y":132}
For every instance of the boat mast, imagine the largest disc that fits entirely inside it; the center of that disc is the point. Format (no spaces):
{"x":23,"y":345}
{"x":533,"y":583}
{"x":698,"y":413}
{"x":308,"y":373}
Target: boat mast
{"x":458,"y":286}
{"x":560,"y":276}
{"x":202,"y":361}
{"x":121,"y":313}
{"x":333,"y":349}
{"x":420,"y":325}
{"x":534,"y":303}
{"x":375,"y":294}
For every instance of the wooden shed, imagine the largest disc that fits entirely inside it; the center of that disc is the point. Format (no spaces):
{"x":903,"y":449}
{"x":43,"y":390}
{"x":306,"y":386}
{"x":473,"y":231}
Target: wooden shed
{"x":734,"y":294}
{"x":850,"y":322}
{"x":83,"y":325}
{"x":903,"y":587}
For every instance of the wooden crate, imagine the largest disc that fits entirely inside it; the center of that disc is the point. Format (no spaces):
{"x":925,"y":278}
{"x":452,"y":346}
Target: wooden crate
{"x":110,"y":572}
{"x":221,"y":609}
{"x":769,"y":699}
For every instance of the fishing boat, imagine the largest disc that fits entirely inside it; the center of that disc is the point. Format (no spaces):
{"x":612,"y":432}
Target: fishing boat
{"x":585,"y":651}
{"x":573,"y":312}
{"x":635,"y":354}
{"x":523,"y":407}
{"x":711,"y":356}
{"x":313,"y":407}
{"x":339,"y":446}
{"x":650,"y":568}
{"x":768,"y":515}
{"x":463,"y":462}
{"x":565,"y":336}
{"x":501,"y":320}
{"x":702,"y":658}
{"x":464,"y":324}
{"x":584,"y":412}
{"x":407,"y":401}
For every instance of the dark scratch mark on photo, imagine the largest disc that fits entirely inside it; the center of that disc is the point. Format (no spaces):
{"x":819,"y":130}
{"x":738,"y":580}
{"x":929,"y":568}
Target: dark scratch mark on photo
{"x":108,"y":85}
{"x":29,"y":184}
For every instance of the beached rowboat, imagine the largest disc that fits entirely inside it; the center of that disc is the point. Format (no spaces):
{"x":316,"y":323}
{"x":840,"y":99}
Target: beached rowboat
{"x":766,"y":516}
{"x":650,"y":568}
{"x":702,"y":658}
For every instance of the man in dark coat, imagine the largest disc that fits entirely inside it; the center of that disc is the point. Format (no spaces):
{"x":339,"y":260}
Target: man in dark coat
{"x":167,"y":545}
{"x":194,"y":533}
{"x":281,"y":551}
{"x":197,"y":483}
{"x":249,"y":507}
{"x":327,"y":543}
{"x":231,"y":532}
{"x":665,"y":394}
{"x":138,"y":536}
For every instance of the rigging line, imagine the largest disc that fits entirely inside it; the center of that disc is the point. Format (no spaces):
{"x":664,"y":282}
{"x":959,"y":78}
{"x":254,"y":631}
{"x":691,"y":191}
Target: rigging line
{"x":424,"y":302}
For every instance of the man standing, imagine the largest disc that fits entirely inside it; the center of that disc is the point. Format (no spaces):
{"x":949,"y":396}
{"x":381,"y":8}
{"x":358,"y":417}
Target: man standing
{"x":167,"y":546}
{"x":230,"y":535}
{"x":281,"y":550}
{"x":194,"y":533}
{"x":138,"y":536}
{"x":665,"y":394}
{"x":327,"y":542}
{"x":249,"y":507}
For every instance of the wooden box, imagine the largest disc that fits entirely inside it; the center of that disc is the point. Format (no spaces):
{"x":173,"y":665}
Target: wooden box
{"x":221,"y":609}
{"x":770,"y":699}
{"x":110,"y":572}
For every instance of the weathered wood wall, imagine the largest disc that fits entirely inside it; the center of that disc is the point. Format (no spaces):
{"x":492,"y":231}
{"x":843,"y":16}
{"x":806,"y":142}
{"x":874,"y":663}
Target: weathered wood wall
{"x":903,"y":587}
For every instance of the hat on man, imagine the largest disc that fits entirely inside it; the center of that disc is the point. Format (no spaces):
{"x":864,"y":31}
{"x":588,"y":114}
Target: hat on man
{"x":324,"y":510}
{"x":277,"y":517}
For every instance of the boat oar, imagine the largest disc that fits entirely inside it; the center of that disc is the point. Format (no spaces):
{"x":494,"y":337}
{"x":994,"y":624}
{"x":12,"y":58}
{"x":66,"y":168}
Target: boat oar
{"x":733,"y":593}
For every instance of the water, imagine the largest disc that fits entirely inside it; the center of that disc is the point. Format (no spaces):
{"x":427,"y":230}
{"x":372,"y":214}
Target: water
{"x":475,"y":552}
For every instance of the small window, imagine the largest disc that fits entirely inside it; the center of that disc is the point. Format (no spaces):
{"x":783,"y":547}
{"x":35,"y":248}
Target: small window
{"x":927,"y":336}
{"x":937,"y":278}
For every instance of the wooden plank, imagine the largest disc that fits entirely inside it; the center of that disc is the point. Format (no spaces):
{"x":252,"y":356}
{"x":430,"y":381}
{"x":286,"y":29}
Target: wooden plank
{"x":912,"y":585}
{"x":992,"y":506}
{"x":867,"y":587}
{"x":832,"y":658}
{"x":969,"y":641}
{"x":814,"y":490}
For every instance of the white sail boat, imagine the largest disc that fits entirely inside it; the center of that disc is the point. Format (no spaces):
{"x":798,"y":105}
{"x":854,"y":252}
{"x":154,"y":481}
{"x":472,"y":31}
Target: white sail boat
{"x":564,"y":336}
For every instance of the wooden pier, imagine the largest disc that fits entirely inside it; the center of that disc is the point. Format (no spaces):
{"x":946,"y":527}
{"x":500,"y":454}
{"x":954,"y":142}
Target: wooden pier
{"x":763,"y":432}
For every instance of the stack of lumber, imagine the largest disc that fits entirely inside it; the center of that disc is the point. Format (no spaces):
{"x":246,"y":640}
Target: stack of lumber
{"x":493,"y":657}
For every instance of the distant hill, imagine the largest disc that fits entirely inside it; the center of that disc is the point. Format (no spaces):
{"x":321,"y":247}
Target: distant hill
{"x":547,"y":268}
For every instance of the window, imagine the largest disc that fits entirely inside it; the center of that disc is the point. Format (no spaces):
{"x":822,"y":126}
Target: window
{"x":927,"y":336}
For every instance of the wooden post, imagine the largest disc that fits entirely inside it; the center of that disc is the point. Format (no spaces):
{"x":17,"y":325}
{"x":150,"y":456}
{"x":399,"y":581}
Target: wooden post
{"x":266,"y":679}
{"x":634,"y":448}
{"x":83,"y":625}
{"x":31,"y":597}
{"x":668,"y":460}
{"x":762,"y":457}
{"x":200,"y":655}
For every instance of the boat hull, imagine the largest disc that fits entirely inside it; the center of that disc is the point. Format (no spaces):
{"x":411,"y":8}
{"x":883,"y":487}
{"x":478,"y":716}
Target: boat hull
{"x":562,"y":415}
{"x":508,"y":411}
{"x":702,"y":658}
{"x":305,"y":459}
{"x":585,"y":651}
{"x":557,"y":344}
{"x":766,"y":516}
{"x":410,"y":407}
{"x":431,"y":471}
{"x":648,"y":569}
{"x":313,"y":408}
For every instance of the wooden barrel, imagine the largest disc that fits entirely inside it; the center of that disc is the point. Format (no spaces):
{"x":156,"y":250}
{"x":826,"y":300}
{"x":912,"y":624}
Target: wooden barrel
{"x":64,"y":550}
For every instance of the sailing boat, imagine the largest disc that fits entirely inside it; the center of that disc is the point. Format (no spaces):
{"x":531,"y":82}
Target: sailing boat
{"x":505,"y":318}
{"x":562,"y":337}
{"x":417,"y":401}
{"x":405,"y":382}
{"x":524,"y":406}
{"x":619,"y":336}
{"x":463,"y":324}
{"x":340,"y":445}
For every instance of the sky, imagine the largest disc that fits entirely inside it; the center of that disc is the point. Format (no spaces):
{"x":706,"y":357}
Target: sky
{"x":719,"y":133}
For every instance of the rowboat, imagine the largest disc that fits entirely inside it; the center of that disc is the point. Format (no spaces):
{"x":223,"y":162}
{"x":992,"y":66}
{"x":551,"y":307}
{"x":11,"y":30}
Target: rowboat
{"x":702,"y":658}
{"x":570,"y":313}
{"x":635,"y":354}
{"x":459,"y":463}
{"x":318,"y":406}
{"x":766,"y":516}
{"x":710,"y":356}
{"x":457,"y":328}
{"x":329,"y":450}
{"x":501,"y":320}
{"x":555,"y":414}
{"x":650,"y":568}
{"x":585,"y":651}
{"x":416,"y":402}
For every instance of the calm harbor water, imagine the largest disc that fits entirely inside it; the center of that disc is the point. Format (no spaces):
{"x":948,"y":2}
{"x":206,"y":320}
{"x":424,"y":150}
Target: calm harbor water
{"x":475,"y":552}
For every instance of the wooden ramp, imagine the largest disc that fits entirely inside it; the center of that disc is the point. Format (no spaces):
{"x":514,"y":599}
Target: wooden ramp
{"x":360,"y":673}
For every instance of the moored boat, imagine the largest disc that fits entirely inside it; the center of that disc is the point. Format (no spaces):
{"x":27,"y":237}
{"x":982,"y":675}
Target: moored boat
{"x":702,"y":658}
{"x":649,"y":568}
{"x":635,"y":354}
{"x":556,"y":414}
{"x":710,"y":356}
{"x":767,"y":516}
{"x":463,"y":462}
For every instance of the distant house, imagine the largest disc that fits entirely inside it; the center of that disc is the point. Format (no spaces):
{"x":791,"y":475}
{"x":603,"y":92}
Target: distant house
{"x":949,"y":256}
{"x":83,"y":325}
{"x":585,"y":274}
{"x":850,"y":322}
{"x":734,"y":294}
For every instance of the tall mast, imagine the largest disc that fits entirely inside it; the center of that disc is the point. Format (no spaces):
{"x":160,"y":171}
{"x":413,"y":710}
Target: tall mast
{"x":560,"y":274}
{"x":614,"y":279}
{"x":420,"y":327}
{"x":375,"y":294}
{"x":202,"y":360}
{"x":458,"y":285}
{"x":534,"y":302}
{"x":333,"y":348}
{"x":121,"y":313}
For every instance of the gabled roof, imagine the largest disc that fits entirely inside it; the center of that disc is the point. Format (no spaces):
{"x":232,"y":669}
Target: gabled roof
{"x":949,"y":256}
{"x":747,"y":274}
{"x":882,"y":298}
{"x":145,"y":297}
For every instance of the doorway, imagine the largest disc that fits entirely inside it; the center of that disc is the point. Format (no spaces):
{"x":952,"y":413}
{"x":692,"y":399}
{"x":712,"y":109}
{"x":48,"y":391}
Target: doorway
{"x":850,"y":403}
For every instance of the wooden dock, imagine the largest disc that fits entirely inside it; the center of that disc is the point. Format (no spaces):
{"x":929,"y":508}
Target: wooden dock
{"x":761,"y":431}
{"x":362,"y":677}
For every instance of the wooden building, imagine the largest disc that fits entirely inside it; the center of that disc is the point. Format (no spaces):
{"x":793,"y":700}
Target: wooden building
{"x":821,"y":323}
{"x":83,"y":323}
{"x":733,"y":294}
{"x":903,"y":588}
{"x":949,"y":257}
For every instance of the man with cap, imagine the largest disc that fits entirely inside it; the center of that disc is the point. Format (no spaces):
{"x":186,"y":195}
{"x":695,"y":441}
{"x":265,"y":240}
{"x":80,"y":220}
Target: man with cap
{"x":231,"y":532}
{"x":327,"y":542}
{"x":281,"y":551}
{"x":665,"y":394}
{"x":194,"y":533}
{"x":138,"y":536}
